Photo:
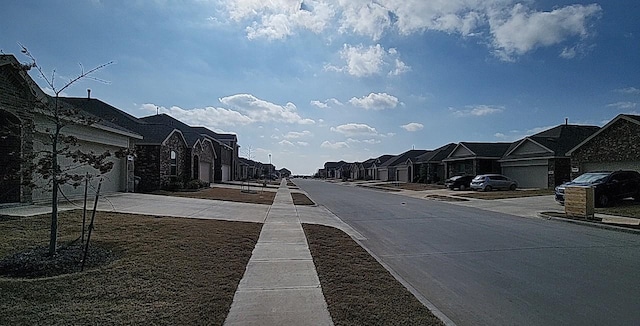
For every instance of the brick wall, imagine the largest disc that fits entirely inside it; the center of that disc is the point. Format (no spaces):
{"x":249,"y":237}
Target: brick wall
{"x":620,"y":142}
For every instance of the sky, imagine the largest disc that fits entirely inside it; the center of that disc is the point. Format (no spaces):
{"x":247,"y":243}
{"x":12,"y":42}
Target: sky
{"x":326,"y":80}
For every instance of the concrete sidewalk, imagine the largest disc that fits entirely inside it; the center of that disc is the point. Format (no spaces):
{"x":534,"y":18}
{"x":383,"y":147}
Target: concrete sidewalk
{"x":280,"y":285}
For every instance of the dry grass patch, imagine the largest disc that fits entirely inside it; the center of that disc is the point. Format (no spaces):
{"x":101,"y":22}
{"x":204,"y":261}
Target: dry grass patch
{"x":227,"y":194}
{"x":490,"y":195}
{"x":411,"y":186}
{"x":301,"y":199}
{"x":627,"y":208}
{"x":358,"y":290}
{"x":170,"y":271}
{"x":445,"y":198}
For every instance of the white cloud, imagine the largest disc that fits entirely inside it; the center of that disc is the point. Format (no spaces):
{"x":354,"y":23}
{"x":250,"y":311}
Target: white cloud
{"x":302,"y":143}
{"x":285,"y":142}
{"x":368,"y":61}
{"x":319,"y":104}
{"x":623,"y":105}
{"x":208,"y":116}
{"x":519,"y":30}
{"x":326,"y":103}
{"x":296,"y":135}
{"x":336,"y":145}
{"x":476,"y":111}
{"x":413,"y":126}
{"x":371,"y":141}
{"x":50,"y":92}
{"x":355,"y":129}
{"x":262,"y":111}
{"x":513,"y":27}
{"x":375,"y":101}
{"x":629,"y":91}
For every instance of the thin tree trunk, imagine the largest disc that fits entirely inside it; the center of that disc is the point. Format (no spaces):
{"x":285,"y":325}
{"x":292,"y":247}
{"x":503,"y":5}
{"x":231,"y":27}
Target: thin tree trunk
{"x":93,"y":216}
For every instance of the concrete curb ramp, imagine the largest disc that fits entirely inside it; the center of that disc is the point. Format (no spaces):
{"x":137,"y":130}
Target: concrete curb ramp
{"x":280,"y":285}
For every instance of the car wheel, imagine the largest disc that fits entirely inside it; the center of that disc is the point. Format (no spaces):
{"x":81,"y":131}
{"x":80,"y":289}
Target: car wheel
{"x":462,"y":188}
{"x":512,"y":187}
{"x":603,"y":200}
{"x":488,"y":188}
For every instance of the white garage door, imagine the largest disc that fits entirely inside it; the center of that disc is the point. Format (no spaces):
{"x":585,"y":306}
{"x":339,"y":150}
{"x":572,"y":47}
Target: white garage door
{"x":205,"y":171}
{"x":611,"y":166}
{"x":535,"y":176}
{"x":403,"y":174}
{"x":226,"y":172}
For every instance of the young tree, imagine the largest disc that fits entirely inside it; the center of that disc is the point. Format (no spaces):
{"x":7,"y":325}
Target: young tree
{"x":60,"y":145}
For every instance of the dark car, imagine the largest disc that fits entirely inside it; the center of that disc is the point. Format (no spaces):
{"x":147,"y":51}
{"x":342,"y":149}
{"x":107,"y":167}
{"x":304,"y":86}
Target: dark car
{"x":461,"y":182}
{"x":608,"y":186}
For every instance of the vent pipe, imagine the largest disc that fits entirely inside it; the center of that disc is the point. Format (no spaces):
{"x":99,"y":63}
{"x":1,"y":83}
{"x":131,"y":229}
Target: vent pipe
{"x":566,"y":121}
{"x":88,"y":93}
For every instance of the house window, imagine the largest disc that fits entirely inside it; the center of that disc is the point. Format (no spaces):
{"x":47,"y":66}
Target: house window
{"x":174,"y":163}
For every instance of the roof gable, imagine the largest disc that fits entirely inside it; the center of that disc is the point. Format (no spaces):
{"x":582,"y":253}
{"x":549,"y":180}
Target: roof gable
{"x":628,"y":117}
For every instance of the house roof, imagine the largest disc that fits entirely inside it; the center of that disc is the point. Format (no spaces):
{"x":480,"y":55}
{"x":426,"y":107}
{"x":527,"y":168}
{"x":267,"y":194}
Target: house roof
{"x":368,"y":163}
{"x":402,"y":158}
{"x":629,"y":117}
{"x":384,"y":158}
{"x":480,"y":150}
{"x":191,"y":134}
{"x":557,"y":140}
{"x":436,"y":155}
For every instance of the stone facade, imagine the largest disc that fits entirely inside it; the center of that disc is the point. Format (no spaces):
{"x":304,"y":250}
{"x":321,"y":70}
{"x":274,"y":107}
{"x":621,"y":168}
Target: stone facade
{"x":619,"y":142}
{"x":147,"y":167}
{"x":561,"y":168}
{"x":175,"y":142}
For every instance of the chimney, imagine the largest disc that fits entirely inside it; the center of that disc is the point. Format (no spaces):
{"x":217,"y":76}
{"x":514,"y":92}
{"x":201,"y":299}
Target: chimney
{"x":88,"y":93}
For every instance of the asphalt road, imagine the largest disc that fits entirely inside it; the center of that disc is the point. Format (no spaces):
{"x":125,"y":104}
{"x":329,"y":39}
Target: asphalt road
{"x":486,"y":268}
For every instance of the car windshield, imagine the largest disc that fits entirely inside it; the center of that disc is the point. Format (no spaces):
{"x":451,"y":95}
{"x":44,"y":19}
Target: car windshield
{"x":591,"y":177}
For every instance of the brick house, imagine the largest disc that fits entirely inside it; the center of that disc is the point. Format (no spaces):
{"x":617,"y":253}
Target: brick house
{"x":25,"y":117}
{"x":616,"y":146}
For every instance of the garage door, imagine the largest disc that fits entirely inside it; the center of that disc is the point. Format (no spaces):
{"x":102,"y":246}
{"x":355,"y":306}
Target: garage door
{"x":403,"y":174}
{"x":205,"y":171}
{"x":535,"y":176}
{"x":611,"y":166}
{"x":226,"y":172}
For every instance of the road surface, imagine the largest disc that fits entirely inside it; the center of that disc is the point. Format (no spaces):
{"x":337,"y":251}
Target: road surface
{"x":487,"y":268}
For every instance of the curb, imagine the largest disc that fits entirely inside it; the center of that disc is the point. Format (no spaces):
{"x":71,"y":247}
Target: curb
{"x":590,"y":224}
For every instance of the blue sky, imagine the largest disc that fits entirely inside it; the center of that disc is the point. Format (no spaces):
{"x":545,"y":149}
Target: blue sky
{"x":327,"y":80}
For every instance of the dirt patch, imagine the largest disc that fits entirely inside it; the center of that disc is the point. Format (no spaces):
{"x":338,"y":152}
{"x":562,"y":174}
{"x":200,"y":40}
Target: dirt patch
{"x":171,"y":271}
{"x":380,"y":188}
{"x":301,"y":199}
{"x":358,"y":290}
{"x":491,"y":195}
{"x":257,"y":196}
{"x":445,"y":198}
{"x":627,"y":208}
{"x":410,"y":186}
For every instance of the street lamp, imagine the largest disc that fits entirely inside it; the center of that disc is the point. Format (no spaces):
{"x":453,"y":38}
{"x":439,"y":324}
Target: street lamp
{"x":269,"y":166}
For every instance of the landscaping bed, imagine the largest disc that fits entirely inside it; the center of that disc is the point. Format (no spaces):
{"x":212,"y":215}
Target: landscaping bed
{"x":301,"y":199}
{"x":358,"y":290}
{"x":627,"y":208}
{"x":166,"y":271}
{"x":410,"y":186}
{"x":491,"y":195}
{"x":228,"y":194}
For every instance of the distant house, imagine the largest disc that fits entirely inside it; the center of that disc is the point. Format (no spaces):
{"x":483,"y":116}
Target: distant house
{"x":284,"y":173}
{"x":407,"y":169}
{"x":373,"y":169}
{"x":541,"y":160}
{"x":432,"y":165}
{"x":23,"y":133}
{"x":333,"y":170}
{"x":472,"y":158}
{"x":616,"y":146}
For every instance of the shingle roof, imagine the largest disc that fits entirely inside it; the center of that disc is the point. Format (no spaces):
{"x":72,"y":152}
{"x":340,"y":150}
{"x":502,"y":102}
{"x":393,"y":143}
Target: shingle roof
{"x":400,"y":159}
{"x":436,"y":155}
{"x":487,"y":149}
{"x":559,"y":139}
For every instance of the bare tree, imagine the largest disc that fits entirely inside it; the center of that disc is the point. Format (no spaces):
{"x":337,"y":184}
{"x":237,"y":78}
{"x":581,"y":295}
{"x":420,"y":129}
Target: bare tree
{"x":57,"y":144}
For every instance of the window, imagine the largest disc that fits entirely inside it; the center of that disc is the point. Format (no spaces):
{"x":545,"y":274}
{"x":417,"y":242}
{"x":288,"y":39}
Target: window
{"x":174,"y":163}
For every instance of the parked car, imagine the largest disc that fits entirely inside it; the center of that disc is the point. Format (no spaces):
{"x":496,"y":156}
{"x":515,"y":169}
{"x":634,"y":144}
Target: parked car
{"x":488,"y":182}
{"x":461,"y":182}
{"x":608,"y":186}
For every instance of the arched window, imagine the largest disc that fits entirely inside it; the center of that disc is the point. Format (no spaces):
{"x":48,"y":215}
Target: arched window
{"x":174,"y":163}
